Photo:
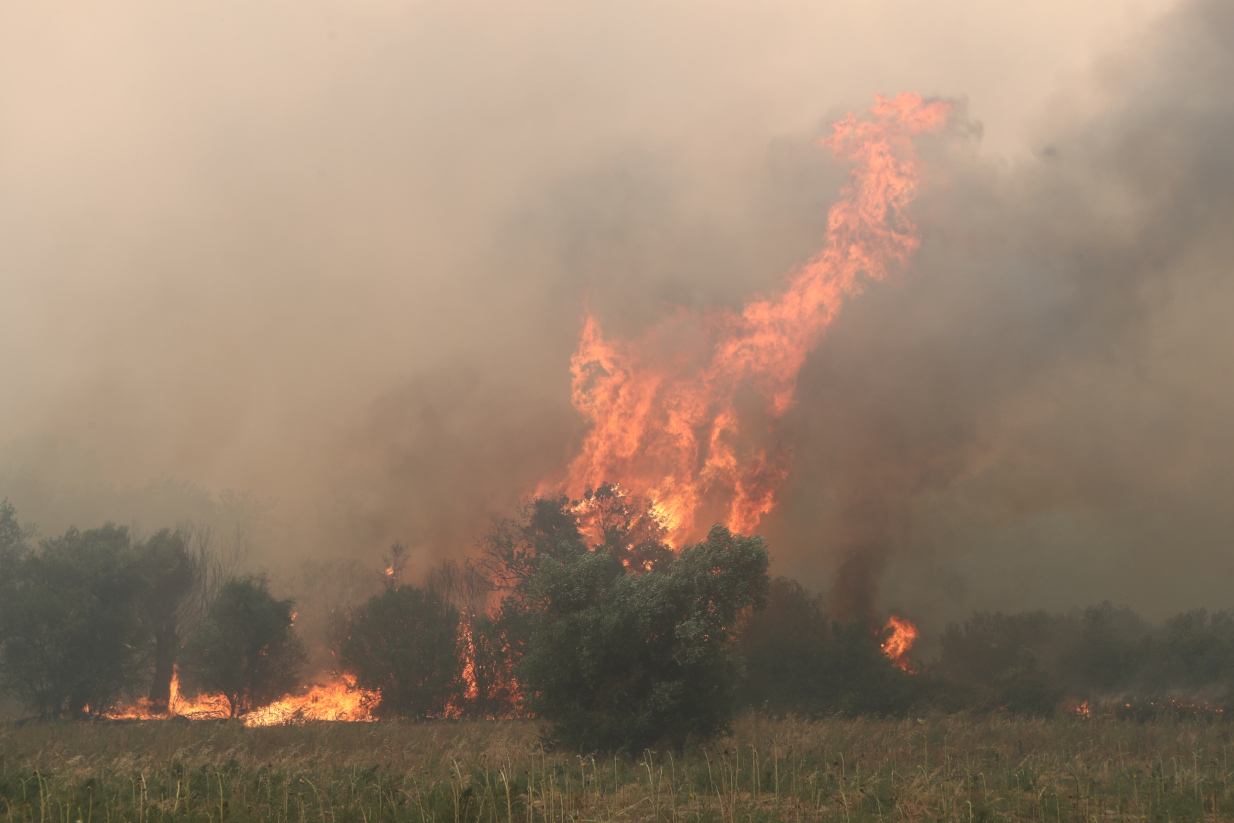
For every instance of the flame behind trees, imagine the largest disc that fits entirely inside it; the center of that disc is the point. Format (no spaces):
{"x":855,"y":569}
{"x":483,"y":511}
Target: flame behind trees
{"x":902,"y":634}
{"x":664,"y":418}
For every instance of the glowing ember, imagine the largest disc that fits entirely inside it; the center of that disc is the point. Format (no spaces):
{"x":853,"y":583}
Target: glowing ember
{"x":897,"y":645}
{"x":663,"y":413}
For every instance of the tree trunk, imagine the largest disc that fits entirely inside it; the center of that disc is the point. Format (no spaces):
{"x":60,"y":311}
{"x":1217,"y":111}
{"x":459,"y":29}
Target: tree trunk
{"x":166,"y":646}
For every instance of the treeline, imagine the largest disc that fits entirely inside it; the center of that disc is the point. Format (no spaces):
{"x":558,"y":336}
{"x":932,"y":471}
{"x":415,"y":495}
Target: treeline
{"x":92,"y":619}
{"x":1033,"y":662}
{"x":574,"y":611}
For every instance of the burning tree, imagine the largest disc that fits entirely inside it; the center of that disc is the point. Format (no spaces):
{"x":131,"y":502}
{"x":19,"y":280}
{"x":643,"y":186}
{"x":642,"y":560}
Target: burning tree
{"x":664,"y":414}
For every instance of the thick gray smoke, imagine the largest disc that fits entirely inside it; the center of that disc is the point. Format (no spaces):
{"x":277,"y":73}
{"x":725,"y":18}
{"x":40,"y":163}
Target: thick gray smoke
{"x":335,"y":256}
{"x":1037,"y":415}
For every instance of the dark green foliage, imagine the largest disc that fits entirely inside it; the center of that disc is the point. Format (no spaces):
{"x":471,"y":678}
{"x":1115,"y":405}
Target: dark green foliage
{"x":244,"y":648}
{"x":988,"y":645}
{"x":620,"y":660}
{"x":1192,"y":651}
{"x":784,"y":646}
{"x":405,"y":643}
{"x":1108,"y":651}
{"x":1022,"y":662}
{"x":168,"y":573}
{"x":511,"y":553}
{"x":72,"y":639}
{"x":1027,"y":690}
{"x":13,"y":538}
{"x":799,"y":662}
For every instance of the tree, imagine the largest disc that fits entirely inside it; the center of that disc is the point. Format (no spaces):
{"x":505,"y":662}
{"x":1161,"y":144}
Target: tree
{"x":168,"y":574}
{"x":404,"y":643}
{"x":14,"y":538}
{"x":622,"y":660}
{"x":72,"y":641}
{"x":244,"y":648}
{"x":784,"y":646}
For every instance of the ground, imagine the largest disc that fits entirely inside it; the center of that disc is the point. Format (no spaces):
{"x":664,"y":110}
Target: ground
{"x":935,"y":768}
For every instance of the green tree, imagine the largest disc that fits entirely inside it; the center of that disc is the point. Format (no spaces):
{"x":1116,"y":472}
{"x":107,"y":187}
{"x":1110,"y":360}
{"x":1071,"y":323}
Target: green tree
{"x":404,"y":643}
{"x":14,"y":538}
{"x":785,"y":648}
{"x":622,"y":660}
{"x":244,"y":648}
{"x":72,"y":640}
{"x":168,"y":573}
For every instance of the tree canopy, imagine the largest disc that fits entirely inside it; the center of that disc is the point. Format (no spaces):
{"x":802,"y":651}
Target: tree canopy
{"x":244,"y":648}
{"x":404,"y":643}
{"x":622,"y":660}
{"x":71,"y":639}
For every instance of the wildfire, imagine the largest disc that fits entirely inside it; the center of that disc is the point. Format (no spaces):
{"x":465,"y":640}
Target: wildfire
{"x":897,"y":645}
{"x":338,"y":700}
{"x":202,"y":707}
{"x":663,"y":415}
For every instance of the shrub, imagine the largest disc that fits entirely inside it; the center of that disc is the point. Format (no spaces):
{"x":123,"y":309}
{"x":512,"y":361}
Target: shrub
{"x":71,"y":641}
{"x":244,"y":648}
{"x":621,"y":660}
{"x":404,"y":643}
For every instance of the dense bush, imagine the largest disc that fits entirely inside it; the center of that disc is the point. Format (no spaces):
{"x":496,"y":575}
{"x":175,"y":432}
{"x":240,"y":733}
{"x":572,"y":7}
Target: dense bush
{"x":800,"y":662}
{"x":71,"y":640}
{"x":92,"y":618}
{"x":245,"y":648}
{"x":621,"y":660}
{"x":405,"y":643}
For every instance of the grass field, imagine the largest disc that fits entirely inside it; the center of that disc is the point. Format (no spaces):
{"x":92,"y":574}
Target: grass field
{"x":938,"y":768}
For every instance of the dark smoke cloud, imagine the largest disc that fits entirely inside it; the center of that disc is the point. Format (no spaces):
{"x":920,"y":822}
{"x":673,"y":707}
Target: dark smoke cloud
{"x":336,"y":255}
{"x":1035,"y":416}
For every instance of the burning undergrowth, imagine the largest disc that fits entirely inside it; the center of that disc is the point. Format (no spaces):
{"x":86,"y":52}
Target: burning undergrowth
{"x":689,"y":431}
{"x":739,"y":417}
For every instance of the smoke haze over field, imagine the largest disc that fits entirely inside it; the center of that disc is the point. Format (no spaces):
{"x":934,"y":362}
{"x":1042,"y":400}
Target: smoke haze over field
{"x":335,"y":255}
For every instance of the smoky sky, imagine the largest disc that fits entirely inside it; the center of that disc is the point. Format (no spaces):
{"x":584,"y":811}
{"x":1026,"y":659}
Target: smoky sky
{"x":333,"y":257}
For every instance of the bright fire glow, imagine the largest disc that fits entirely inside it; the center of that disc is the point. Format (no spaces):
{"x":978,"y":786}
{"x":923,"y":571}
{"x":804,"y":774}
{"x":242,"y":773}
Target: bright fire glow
{"x":340,"y":699}
{"x":664,"y":418}
{"x":897,"y":646}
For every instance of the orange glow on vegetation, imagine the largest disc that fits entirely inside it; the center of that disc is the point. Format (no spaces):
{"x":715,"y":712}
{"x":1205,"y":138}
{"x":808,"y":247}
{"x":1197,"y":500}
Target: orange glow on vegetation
{"x":664,"y":421}
{"x":340,"y":699}
{"x":903,"y":635}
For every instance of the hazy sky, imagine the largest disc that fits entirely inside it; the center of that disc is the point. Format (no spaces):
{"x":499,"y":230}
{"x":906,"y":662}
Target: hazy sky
{"x":335,"y":255}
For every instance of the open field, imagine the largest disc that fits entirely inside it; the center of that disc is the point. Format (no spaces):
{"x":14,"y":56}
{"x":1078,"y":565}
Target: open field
{"x":939,"y":768}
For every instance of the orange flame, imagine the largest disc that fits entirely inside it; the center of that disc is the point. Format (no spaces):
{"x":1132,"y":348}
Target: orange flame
{"x":339,"y":700}
{"x":663,"y":418}
{"x":903,"y":636}
{"x":202,"y":707}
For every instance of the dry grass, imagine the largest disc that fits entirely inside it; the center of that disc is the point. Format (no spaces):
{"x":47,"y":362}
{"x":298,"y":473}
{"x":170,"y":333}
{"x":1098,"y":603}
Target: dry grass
{"x":938,"y":768}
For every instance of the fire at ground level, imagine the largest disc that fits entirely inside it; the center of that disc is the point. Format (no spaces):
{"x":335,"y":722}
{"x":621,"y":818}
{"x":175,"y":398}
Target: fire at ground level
{"x":342,"y":700}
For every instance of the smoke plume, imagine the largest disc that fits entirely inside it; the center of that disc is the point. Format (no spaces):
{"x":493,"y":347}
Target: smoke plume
{"x":336,"y":257}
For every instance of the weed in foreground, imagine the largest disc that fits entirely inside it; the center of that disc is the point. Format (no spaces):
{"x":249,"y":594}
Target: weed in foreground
{"x":852,"y":770}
